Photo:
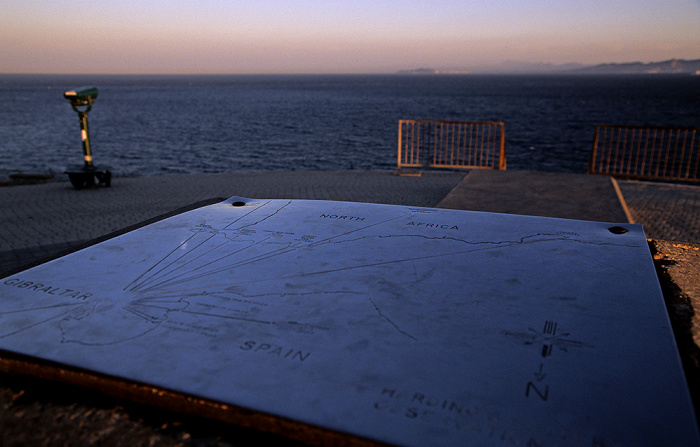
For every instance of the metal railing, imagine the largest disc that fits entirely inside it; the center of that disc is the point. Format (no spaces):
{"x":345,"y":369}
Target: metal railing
{"x":451,"y":144}
{"x":668,"y":153}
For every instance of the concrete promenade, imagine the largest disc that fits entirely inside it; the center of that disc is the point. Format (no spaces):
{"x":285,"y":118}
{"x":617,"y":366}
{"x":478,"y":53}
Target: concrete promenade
{"x":41,"y":220}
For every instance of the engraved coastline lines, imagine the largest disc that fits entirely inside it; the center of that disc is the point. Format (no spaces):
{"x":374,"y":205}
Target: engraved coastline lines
{"x":179,"y":278}
{"x":227,"y":317}
{"x":181,"y":301}
{"x":408,"y":259}
{"x":189,"y":275}
{"x":131,"y":284}
{"x":281,"y":251}
{"x":331,"y":238}
{"x":287,"y":249}
{"x":142,"y":314}
{"x":168,"y":310}
{"x":454,"y":239}
{"x":55,"y":306}
{"x":154,"y":324}
{"x":143,"y":306}
{"x":70,"y":308}
{"x":264,"y":218}
{"x":184,"y":264}
{"x":184,"y":243}
{"x":388,"y":320}
{"x":173,"y":276}
{"x":159,"y":274}
{"x":543,"y":237}
{"x":503,"y":244}
{"x":156,"y":276}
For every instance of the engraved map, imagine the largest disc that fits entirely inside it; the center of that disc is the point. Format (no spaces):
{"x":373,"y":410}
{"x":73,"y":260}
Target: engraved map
{"x":410,"y":326}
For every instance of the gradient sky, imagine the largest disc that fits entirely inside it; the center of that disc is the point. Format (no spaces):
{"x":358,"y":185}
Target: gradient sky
{"x":353,"y":36}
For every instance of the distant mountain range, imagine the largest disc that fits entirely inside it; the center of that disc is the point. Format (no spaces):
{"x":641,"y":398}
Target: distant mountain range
{"x":671,"y":66}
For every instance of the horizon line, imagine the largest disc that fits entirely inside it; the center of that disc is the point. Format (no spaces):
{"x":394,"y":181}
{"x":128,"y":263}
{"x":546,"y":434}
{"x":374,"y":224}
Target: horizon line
{"x":492,"y":69}
{"x":396,"y":73}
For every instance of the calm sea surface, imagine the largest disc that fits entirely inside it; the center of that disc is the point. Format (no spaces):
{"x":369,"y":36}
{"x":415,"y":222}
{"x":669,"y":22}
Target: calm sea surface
{"x":150,"y":125}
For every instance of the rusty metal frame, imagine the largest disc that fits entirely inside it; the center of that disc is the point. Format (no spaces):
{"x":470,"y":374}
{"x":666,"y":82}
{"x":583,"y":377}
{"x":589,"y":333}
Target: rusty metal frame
{"x":451,"y":144}
{"x":646,"y":152}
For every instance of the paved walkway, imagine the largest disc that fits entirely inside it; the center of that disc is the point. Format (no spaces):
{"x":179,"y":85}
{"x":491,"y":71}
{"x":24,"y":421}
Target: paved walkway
{"x":668,"y":211}
{"x":37,"y":221}
{"x":546,"y":194}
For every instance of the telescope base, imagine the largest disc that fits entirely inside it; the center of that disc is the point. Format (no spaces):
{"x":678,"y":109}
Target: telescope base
{"x":82,"y":177}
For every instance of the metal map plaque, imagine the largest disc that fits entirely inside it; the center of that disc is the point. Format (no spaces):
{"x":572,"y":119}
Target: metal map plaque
{"x":410,"y":326}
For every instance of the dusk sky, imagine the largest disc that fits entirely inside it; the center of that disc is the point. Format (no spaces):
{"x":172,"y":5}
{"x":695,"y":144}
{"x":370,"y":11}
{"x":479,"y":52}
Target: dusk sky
{"x":327,"y":36}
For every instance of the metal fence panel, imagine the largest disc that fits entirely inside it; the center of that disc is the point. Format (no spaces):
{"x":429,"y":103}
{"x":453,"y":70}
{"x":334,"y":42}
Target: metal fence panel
{"x":667,"y":153}
{"x":451,"y":144}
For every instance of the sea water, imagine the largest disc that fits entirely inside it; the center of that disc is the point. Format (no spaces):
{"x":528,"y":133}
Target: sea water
{"x":151,"y":125}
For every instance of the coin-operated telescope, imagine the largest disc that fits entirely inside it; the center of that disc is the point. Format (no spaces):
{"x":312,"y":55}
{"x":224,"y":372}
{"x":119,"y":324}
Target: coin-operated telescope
{"x":81,"y":100}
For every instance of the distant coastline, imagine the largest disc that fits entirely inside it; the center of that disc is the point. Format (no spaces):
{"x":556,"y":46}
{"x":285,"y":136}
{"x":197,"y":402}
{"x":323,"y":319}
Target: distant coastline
{"x":671,"y":66}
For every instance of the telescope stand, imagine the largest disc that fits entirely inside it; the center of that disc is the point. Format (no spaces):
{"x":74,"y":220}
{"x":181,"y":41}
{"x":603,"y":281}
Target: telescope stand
{"x":84,"y":176}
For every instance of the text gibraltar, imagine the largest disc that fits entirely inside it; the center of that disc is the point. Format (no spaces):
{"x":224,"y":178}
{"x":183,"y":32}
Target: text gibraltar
{"x":51,"y":290}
